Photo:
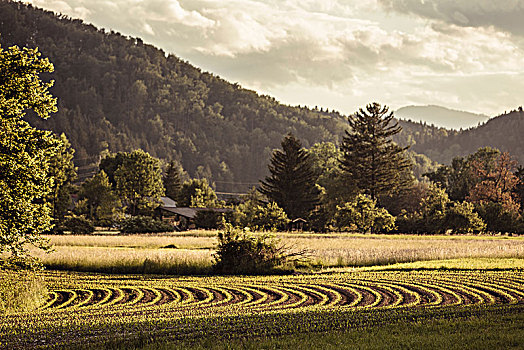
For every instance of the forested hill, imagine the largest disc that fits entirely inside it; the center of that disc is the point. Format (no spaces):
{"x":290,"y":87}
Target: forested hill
{"x":505,"y":132}
{"x":119,"y":94}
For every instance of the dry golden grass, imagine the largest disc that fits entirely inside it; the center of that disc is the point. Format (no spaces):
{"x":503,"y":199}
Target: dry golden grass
{"x":194,"y":250}
{"x":183,"y":241}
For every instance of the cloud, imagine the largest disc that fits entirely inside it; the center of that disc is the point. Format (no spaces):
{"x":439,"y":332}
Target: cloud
{"x":335,"y":53}
{"x":505,"y":15}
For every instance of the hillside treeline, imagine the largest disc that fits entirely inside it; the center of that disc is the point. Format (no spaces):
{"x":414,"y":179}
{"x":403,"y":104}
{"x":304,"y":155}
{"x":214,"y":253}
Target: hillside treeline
{"x":116,"y":93}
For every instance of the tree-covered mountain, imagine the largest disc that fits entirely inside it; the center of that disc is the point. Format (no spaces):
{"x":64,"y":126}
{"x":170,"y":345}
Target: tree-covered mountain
{"x":504,"y":132}
{"x":116,"y":93}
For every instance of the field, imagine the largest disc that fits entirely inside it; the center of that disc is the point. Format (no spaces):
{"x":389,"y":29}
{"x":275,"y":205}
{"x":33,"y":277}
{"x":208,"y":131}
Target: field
{"x":96,"y":310}
{"x":438,"y":290}
{"x":191,"y":252}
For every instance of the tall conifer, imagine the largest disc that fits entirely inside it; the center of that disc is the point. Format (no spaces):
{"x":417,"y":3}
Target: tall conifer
{"x":172,"y":181}
{"x":292,"y":181}
{"x":370,"y":158}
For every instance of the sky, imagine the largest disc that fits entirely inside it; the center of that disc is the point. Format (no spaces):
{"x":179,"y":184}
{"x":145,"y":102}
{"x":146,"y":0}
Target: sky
{"x":461,"y":54}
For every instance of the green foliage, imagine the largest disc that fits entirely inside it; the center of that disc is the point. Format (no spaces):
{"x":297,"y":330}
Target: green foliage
{"x":197,"y":193}
{"x":269,"y":217}
{"x":291,"y":184}
{"x":78,"y":225}
{"x":461,"y":218}
{"x":437,"y":214}
{"x":334,"y":189}
{"x":208,"y":219}
{"x":434,"y":209}
{"x":102,"y":203}
{"x":362,"y":215}
{"x":459,"y":178}
{"x":21,"y":292}
{"x":144,"y":224}
{"x":370,"y":158}
{"x":497,"y":217}
{"x":240,"y":252}
{"x":172,"y":180}
{"x":25,"y":174}
{"x":63,"y":173}
{"x":139,"y":182}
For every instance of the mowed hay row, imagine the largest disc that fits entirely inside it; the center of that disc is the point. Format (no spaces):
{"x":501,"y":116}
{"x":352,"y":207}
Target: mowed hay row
{"x":359,"y":290}
{"x":91,"y":308}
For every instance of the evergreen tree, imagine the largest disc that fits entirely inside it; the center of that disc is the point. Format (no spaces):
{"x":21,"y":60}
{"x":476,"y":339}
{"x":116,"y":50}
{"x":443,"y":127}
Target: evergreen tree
{"x":172,"y":181}
{"x":63,"y":171}
{"x":370,"y":158}
{"x":292,"y":181}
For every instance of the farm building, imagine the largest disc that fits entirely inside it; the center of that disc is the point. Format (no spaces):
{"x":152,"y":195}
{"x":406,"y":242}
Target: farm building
{"x":182,"y":217}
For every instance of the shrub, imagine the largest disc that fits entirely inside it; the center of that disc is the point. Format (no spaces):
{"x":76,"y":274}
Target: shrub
{"x":241,"y":252}
{"x":20,"y":291}
{"x":78,"y":225}
{"x":144,"y":224}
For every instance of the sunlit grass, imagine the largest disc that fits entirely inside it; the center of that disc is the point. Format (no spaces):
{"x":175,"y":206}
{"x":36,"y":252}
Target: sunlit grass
{"x":192,"y":251}
{"x":20,"y":291}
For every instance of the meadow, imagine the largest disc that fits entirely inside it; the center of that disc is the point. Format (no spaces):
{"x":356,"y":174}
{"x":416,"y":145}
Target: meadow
{"x":358,"y":291}
{"x":191,"y":252}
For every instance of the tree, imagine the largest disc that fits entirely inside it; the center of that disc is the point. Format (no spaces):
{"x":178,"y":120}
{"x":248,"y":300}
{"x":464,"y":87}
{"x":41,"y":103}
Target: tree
{"x":363,"y":215}
{"x":461,"y":176}
{"x":496,"y":183}
{"x":63,"y":171}
{"x":370,"y":158}
{"x":110,"y":164}
{"x":139,"y":182}
{"x":102,"y":202}
{"x":198,"y":193}
{"x":25,"y":153}
{"x":292,"y":181}
{"x":519,"y":188}
{"x":172,"y":180}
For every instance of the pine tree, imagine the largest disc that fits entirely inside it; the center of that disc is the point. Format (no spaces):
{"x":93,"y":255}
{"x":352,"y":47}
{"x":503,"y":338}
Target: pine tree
{"x":370,"y":158}
{"x":172,"y":181}
{"x":292,"y":181}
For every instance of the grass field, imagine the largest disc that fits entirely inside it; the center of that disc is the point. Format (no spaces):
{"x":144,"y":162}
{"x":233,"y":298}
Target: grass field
{"x":131,"y":311}
{"x":192,"y":252}
{"x":361,"y":291}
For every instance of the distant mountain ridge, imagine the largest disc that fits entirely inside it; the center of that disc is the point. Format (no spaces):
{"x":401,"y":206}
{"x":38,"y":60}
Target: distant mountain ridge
{"x":505,"y":132}
{"x":441,"y":116}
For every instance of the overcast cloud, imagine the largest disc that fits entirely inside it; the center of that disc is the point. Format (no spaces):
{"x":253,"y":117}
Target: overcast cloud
{"x":460,"y":54}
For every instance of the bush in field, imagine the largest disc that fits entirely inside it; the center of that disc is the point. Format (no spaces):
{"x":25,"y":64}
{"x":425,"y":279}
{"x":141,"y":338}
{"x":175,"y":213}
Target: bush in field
{"x":362,"y":215}
{"x":20,"y":291}
{"x":241,"y":252}
{"x":78,"y":225}
{"x":144,"y":224}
